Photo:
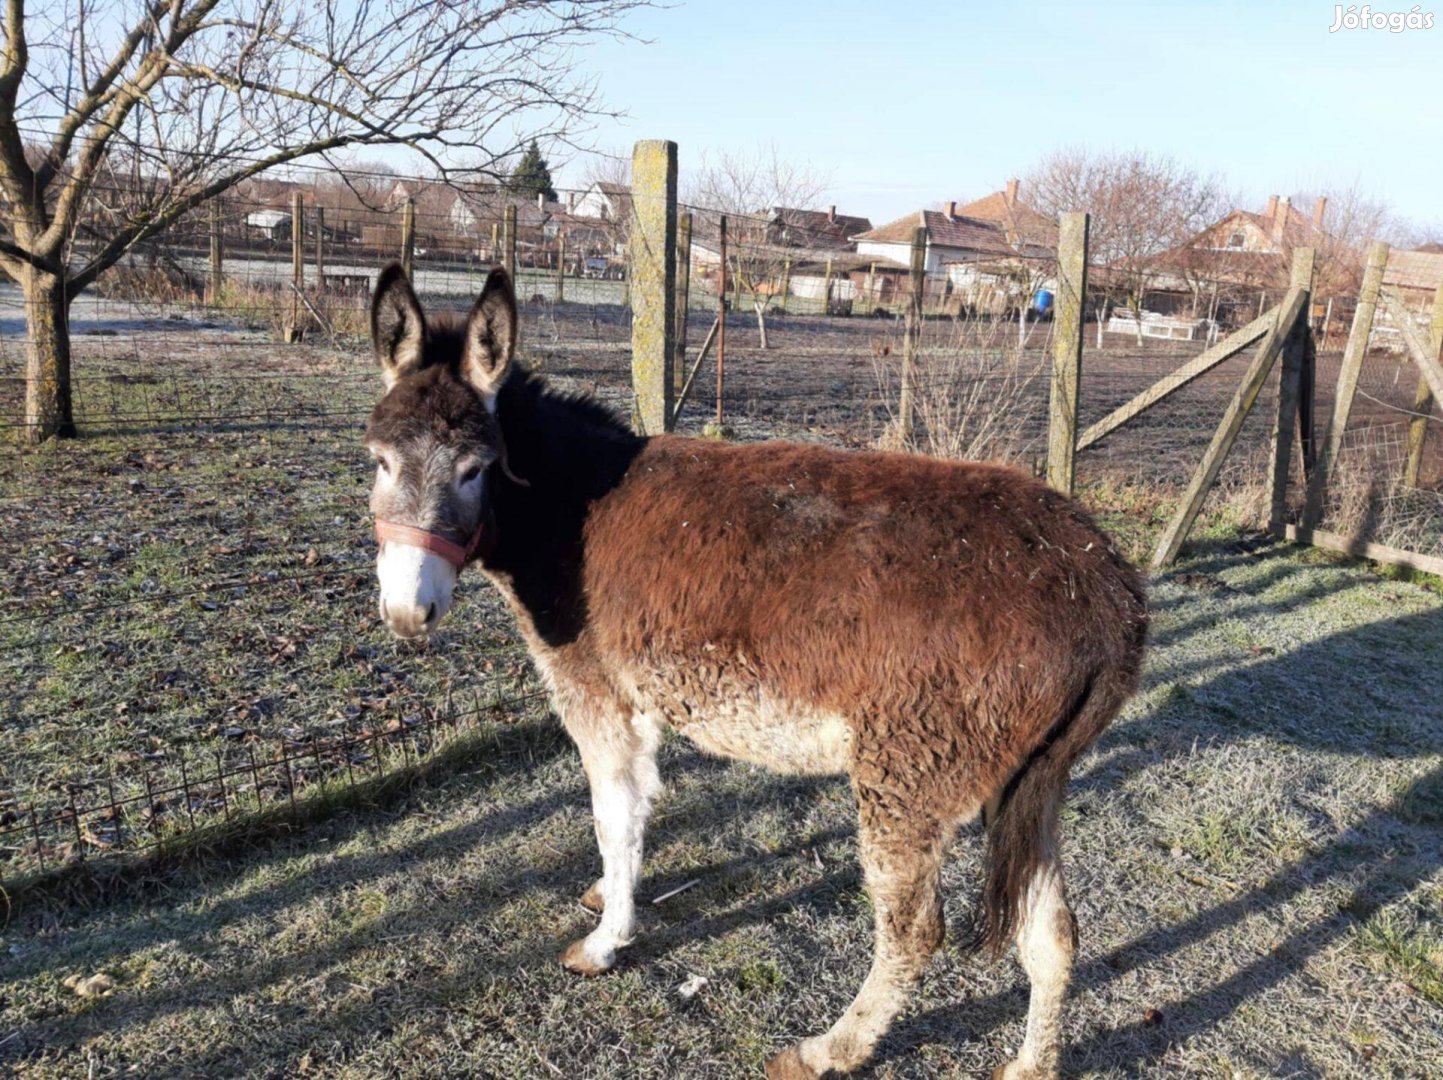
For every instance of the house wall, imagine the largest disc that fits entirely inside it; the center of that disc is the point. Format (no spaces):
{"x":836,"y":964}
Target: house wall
{"x":594,"y":203}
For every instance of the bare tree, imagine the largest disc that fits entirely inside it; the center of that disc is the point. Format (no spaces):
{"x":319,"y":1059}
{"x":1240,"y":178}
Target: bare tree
{"x":1142,"y":207}
{"x":118,"y":119}
{"x":748,"y":188}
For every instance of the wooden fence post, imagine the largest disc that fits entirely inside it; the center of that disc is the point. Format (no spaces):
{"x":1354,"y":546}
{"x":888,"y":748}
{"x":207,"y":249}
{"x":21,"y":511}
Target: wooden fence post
{"x":1067,"y":350}
{"x":298,"y":266}
{"x":912,"y":334}
{"x":1353,"y":354}
{"x":408,"y":236}
{"x":1295,"y":350}
{"x":508,"y":244}
{"x":320,"y":249}
{"x":1423,"y":399}
{"x":683,"y":303}
{"x":721,"y":315}
{"x":495,"y":243}
{"x":217,"y":250}
{"x":653,"y":282}
{"x":827,"y":289}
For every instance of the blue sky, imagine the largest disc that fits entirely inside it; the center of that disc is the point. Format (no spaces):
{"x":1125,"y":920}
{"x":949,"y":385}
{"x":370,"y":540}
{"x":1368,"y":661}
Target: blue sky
{"x":904,"y":104}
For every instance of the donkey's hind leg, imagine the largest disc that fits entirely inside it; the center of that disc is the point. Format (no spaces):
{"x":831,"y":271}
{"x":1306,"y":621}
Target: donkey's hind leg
{"x":904,"y":880}
{"x":620,"y":761}
{"x":1046,"y":941}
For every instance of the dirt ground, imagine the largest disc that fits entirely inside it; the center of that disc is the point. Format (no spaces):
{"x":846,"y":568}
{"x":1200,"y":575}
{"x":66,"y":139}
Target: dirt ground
{"x":1254,"y":849}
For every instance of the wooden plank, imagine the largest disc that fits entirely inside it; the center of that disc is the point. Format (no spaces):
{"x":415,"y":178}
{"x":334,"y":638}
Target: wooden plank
{"x":508,"y":243}
{"x":1222,"y":441}
{"x":1289,"y":386}
{"x":1419,"y":348}
{"x":1067,"y":350}
{"x":1423,"y":399}
{"x":652,"y":245}
{"x":1201,"y":364}
{"x":1353,"y":354}
{"x":1364,"y":549}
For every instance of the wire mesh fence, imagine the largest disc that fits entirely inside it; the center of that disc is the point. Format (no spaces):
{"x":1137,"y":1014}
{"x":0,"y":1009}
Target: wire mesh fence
{"x":187,"y":633}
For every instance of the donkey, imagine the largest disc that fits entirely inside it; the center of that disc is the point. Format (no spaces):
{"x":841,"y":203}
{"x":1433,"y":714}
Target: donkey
{"x":951,"y":636}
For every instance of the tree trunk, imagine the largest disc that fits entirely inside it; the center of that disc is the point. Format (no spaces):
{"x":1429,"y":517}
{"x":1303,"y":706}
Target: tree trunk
{"x":761,"y":309}
{"x":47,"y":371}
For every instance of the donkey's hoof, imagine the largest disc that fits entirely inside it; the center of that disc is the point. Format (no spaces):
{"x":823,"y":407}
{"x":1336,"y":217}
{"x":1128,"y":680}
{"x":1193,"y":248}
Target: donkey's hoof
{"x":592,"y":900}
{"x":576,"y":959}
{"x":788,"y":1065}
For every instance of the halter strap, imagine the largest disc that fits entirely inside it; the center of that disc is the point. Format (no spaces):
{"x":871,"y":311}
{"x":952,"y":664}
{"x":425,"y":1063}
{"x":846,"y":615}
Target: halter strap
{"x":435,"y":543}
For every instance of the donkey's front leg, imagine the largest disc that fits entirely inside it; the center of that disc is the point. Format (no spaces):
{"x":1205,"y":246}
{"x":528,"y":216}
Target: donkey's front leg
{"x":619,"y":755}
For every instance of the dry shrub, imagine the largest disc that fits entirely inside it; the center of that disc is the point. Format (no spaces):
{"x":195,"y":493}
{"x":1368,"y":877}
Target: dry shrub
{"x":161,"y":284}
{"x":977,"y":396}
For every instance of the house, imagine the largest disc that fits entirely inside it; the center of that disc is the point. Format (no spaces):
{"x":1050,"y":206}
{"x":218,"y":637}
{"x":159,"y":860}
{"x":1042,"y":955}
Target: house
{"x":1253,"y":251}
{"x":1417,"y":275}
{"x":605,"y":201}
{"x":273,"y":225}
{"x":818,"y":229}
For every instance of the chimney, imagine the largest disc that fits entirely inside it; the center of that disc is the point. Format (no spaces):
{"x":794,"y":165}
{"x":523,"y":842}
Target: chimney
{"x":1012,"y":186}
{"x":571,"y":202}
{"x":541,"y":200}
{"x":1272,"y":210}
{"x":1280,"y":219}
{"x":1319,"y":209}
{"x":950,"y":209}
{"x":832,"y":214}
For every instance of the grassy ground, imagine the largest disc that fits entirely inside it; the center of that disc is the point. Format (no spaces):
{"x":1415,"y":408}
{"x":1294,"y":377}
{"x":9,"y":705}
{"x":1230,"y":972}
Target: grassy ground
{"x":1254,"y":848}
{"x":1254,"y":853}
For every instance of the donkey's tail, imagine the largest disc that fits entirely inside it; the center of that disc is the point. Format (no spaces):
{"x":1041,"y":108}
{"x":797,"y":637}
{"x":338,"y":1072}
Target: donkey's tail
{"x":1021,"y":827}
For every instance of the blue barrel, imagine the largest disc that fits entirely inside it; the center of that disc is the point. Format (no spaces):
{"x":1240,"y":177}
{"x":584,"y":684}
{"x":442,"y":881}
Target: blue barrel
{"x":1042,"y":301}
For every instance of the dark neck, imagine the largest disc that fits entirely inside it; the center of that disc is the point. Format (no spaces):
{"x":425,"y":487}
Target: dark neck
{"x":572,"y":452}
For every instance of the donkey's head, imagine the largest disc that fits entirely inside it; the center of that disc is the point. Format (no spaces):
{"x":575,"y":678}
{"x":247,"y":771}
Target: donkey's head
{"x":435,"y":439}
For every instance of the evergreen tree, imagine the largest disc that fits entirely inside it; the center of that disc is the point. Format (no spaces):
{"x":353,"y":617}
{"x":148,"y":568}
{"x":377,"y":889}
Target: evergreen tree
{"x":531,"y":176}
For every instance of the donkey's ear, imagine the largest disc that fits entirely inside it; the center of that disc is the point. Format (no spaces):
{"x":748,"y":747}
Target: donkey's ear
{"x":491,"y":336}
{"x":398,"y":326}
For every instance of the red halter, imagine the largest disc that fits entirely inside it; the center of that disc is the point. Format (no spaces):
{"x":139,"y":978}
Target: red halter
{"x":435,"y":543}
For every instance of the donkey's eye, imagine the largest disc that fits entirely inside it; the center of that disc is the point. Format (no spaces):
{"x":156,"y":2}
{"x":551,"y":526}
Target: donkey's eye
{"x":471,"y":473}
{"x":385,"y":465}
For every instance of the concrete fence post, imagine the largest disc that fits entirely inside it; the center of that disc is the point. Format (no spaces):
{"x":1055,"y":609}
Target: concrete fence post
{"x":1067,"y":351}
{"x":653,"y":282}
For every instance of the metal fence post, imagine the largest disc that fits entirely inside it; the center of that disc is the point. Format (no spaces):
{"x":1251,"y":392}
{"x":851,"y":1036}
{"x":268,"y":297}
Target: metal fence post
{"x":653,"y":277}
{"x":320,"y":249}
{"x":298,"y":266}
{"x":1067,"y":351}
{"x":683,"y":300}
{"x":721,"y":314}
{"x":560,"y":265}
